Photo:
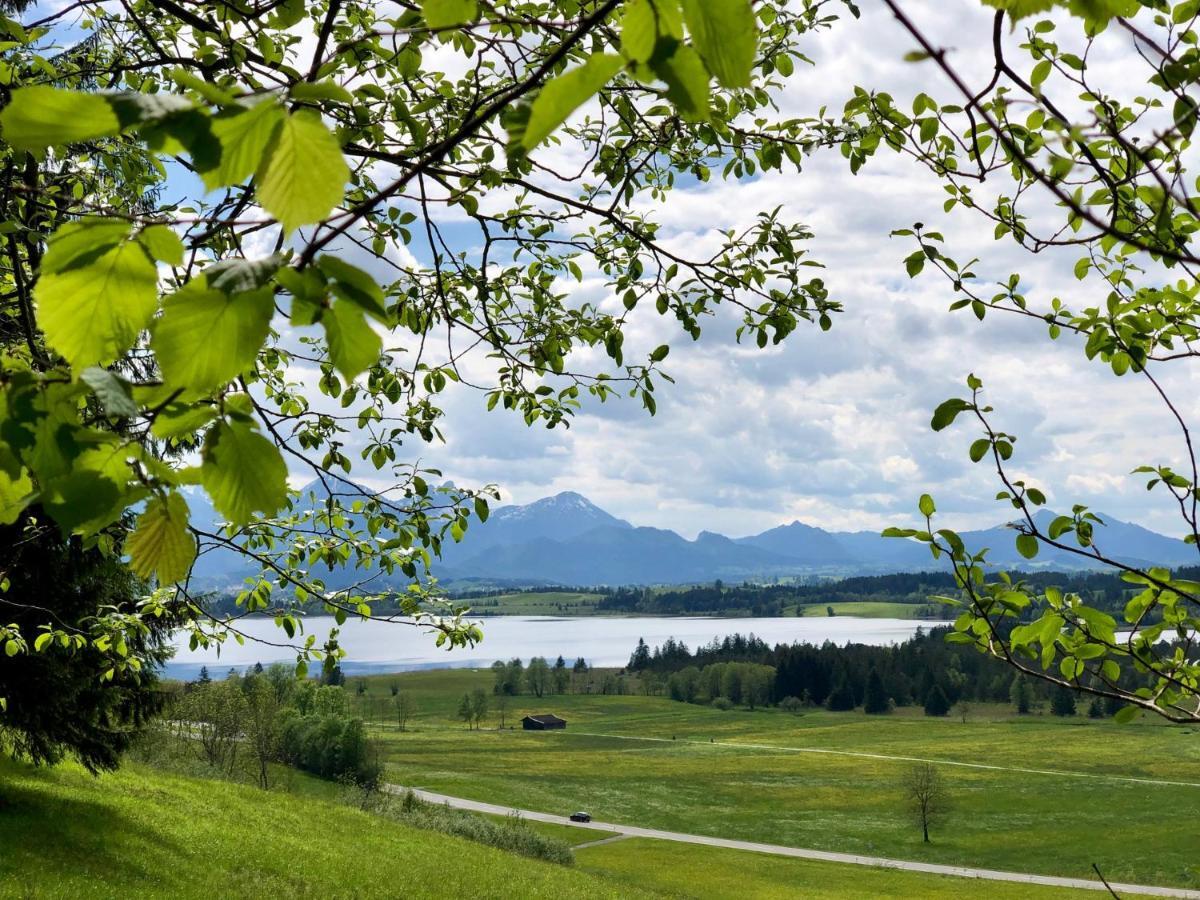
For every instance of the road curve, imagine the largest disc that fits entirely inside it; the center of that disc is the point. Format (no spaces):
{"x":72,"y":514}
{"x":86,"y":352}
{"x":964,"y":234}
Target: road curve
{"x":802,"y":853}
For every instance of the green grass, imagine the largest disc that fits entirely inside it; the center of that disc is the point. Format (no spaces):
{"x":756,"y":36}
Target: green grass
{"x":866,"y":609}
{"x":682,"y":870}
{"x":1001,"y":819}
{"x":541,"y":603}
{"x":142,"y":833}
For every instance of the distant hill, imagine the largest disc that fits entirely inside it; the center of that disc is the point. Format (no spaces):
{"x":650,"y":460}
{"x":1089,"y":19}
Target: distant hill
{"x":567,"y":539}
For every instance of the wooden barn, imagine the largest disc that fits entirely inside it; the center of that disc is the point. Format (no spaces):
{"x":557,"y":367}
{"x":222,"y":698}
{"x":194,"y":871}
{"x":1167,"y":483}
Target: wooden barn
{"x":542,"y":723}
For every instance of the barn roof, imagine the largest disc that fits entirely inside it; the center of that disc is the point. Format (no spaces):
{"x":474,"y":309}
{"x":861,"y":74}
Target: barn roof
{"x":546,"y":719}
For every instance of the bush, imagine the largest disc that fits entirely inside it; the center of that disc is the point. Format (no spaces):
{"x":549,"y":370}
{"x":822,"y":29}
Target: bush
{"x":331,"y":746}
{"x":791,"y":704}
{"x":841,"y":698}
{"x":937,"y":703}
{"x":512,"y":835}
{"x":722,"y":703}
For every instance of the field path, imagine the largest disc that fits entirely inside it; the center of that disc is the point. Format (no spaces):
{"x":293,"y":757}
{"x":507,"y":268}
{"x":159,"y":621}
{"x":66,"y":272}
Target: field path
{"x":800,"y":853}
{"x":860,"y":754}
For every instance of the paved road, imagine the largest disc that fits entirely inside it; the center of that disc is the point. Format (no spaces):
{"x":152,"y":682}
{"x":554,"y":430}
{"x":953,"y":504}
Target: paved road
{"x":800,"y":853}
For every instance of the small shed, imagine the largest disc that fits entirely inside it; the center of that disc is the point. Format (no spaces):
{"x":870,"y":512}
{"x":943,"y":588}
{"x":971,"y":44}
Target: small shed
{"x":542,"y":723}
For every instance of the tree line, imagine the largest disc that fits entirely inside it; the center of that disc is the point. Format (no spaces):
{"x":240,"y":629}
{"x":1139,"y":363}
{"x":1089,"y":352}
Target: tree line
{"x":923,"y":671}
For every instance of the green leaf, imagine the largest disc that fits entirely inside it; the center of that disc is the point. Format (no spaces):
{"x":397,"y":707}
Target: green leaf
{"x":567,"y":92}
{"x":161,"y":543}
{"x":321,"y":90}
{"x":979,"y":449}
{"x":687,"y":82}
{"x":353,"y":344}
{"x":639,"y":30}
{"x":113,"y":392}
{"x":235,"y":275}
{"x":1019,"y":9}
{"x":947,"y":412}
{"x":245,"y":136}
{"x":15,"y":495}
{"x":304,"y":175}
{"x":925,"y":504}
{"x":724,"y":32}
{"x":448,"y":13}
{"x":205,"y":337}
{"x":40,"y":116}
{"x":355,"y":286}
{"x":243,"y":472}
{"x":1126,"y":714}
{"x":93,"y":303}
{"x":1027,"y":545}
{"x":162,"y":244}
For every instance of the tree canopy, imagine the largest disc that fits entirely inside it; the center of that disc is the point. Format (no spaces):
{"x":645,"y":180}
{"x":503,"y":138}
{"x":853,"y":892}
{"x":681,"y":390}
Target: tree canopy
{"x":247,"y":239}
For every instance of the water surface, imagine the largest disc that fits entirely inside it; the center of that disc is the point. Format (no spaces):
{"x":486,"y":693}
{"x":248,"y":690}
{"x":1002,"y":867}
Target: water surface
{"x":602,"y":641}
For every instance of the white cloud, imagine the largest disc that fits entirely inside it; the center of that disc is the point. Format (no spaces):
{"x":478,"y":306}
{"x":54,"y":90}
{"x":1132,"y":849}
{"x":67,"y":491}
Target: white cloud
{"x":833,"y":428}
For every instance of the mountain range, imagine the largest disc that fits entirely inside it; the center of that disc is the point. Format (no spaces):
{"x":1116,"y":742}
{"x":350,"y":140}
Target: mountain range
{"x":568,"y":540}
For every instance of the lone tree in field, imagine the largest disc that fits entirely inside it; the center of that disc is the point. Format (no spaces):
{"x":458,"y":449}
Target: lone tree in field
{"x":925,"y":796}
{"x":248,"y":241}
{"x":466,"y":710}
{"x":405,"y":707}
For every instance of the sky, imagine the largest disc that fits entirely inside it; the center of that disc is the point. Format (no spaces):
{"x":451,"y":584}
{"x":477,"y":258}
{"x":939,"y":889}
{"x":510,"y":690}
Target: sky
{"x":832,"y":429}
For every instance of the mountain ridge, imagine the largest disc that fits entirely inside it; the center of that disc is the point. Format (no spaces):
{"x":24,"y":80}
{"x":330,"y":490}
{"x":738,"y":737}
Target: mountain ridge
{"x":568,"y":539}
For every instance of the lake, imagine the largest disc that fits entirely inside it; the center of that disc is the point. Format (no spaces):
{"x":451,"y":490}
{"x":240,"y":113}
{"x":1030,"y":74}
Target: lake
{"x":602,"y":641}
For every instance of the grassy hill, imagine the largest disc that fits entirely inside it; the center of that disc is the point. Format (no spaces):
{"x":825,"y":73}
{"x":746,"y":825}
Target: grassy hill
{"x":143,"y":833}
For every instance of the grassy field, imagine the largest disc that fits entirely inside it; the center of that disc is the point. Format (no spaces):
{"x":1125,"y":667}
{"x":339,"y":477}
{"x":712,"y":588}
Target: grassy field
{"x":866,"y":609}
{"x":649,"y":761}
{"x":143,"y":833}
{"x":680,"y":870}
{"x":565,"y":603}
{"x":542,"y":603}
{"x":140,"y":833}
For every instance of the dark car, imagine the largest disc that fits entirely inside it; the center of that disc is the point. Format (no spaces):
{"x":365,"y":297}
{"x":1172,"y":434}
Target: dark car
{"x":581,"y":817}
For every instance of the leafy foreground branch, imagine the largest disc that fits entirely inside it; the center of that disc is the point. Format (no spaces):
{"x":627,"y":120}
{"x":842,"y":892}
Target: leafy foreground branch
{"x":1058,"y":159}
{"x":244,"y":248}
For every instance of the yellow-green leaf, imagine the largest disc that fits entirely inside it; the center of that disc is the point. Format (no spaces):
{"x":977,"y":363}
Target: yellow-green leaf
{"x":726,"y":34}
{"x":92,"y":302}
{"x":304,"y":175}
{"x":15,"y":495}
{"x":161,"y":543}
{"x":245,"y":136}
{"x":353,"y":344}
{"x":566,"y":93}
{"x":40,"y":116}
{"x":448,"y":13}
{"x":243,"y":472}
{"x":206,"y":337}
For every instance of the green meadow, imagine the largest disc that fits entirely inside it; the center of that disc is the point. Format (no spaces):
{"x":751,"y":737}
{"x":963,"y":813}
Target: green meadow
{"x":819,"y":779}
{"x":143,"y":833}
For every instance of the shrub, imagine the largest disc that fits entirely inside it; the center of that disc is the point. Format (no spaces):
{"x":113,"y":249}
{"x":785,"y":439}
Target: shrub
{"x":722,"y":703}
{"x":329,"y":745}
{"x":937,"y":703}
{"x":791,"y":704}
{"x":511,"y":835}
